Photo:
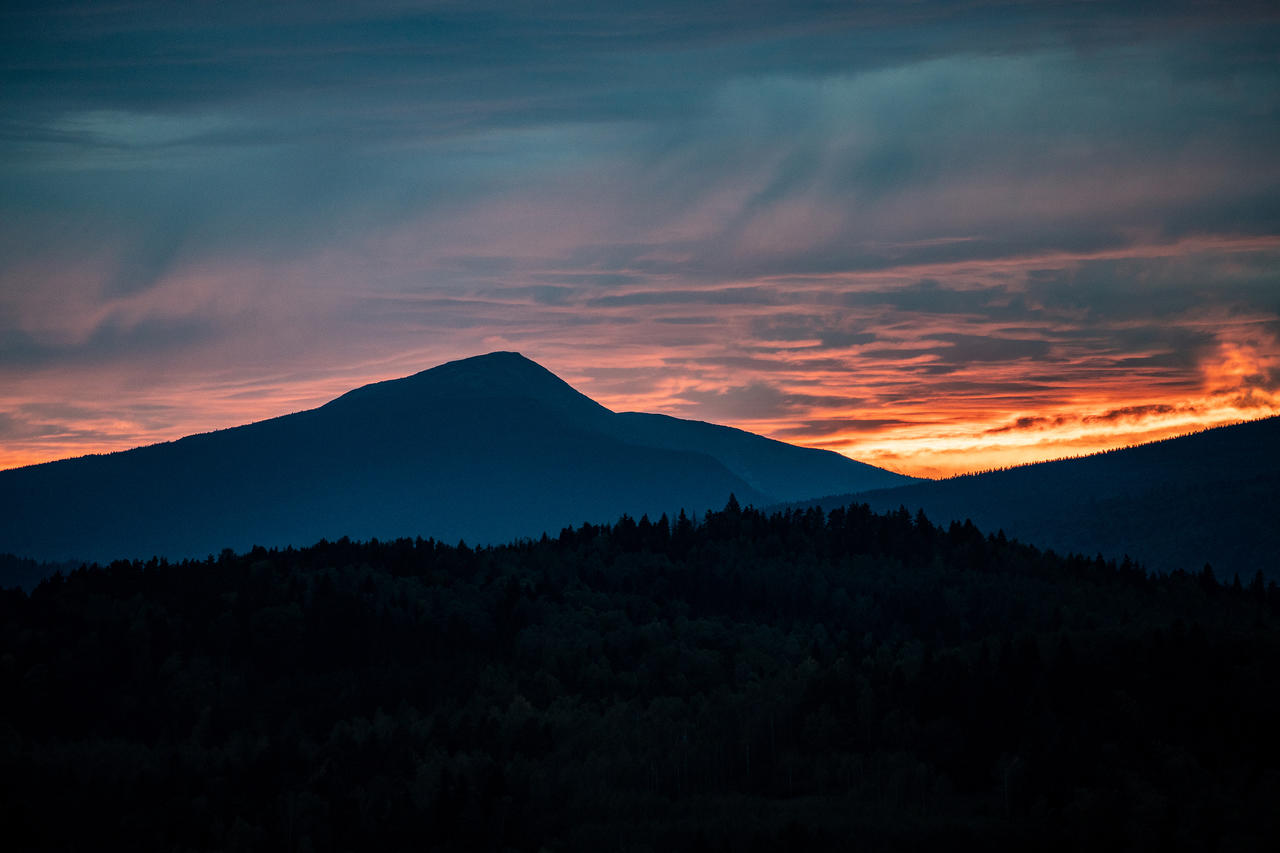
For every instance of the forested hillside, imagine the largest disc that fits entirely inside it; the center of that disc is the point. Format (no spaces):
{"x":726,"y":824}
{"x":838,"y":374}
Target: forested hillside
{"x":1212,"y":496}
{"x":804,"y":680}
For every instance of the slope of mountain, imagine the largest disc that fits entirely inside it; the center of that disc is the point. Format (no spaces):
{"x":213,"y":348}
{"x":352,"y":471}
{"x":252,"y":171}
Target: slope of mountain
{"x":486,"y":449}
{"x":768,"y":466}
{"x":1213,"y":497}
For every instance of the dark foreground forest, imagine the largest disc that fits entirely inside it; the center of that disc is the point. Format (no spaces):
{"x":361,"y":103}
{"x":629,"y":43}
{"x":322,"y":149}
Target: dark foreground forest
{"x":841,"y":681}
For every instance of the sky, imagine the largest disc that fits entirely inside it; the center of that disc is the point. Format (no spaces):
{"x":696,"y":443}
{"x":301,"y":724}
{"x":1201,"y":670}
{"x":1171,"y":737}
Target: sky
{"x":937,"y":237}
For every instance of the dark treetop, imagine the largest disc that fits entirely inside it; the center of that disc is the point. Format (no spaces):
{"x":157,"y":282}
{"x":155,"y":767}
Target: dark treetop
{"x":1209,"y":497}
{"x":800,"y":681}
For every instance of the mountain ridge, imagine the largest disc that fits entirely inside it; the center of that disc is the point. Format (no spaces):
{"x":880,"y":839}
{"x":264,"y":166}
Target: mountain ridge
{"x":486,"y":449}
{"x":505,"y":373}
{"x":1209,"y":496}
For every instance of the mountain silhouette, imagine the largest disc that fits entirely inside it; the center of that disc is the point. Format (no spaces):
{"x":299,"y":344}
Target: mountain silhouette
{"x":1210,"y":497}
{"x":485,"y":449}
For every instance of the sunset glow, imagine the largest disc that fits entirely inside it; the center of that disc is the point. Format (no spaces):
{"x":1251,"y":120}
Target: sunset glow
{"x":904,"y":399}
{"x":848,"y":231}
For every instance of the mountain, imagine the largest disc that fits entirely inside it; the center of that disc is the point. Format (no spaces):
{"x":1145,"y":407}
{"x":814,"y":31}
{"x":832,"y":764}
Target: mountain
{"x":1211,"y":497}
{"x":768,"y":466}
{"x":484,"y":449}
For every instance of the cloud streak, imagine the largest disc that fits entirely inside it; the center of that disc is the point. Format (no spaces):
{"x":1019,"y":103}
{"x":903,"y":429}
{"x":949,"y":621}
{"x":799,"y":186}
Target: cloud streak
{"x":933,"y":237}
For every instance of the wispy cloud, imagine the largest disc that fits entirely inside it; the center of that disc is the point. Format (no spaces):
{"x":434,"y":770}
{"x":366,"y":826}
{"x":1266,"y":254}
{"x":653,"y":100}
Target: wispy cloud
{"x":931,"y":236}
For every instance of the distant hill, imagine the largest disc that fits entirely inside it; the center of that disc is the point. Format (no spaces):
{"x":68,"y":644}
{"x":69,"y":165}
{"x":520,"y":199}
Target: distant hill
{"x":485,"y":449}
{"x":1209,"y":497}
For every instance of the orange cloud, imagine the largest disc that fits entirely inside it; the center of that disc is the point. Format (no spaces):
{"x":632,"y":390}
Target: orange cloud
{"x":929,"y":370}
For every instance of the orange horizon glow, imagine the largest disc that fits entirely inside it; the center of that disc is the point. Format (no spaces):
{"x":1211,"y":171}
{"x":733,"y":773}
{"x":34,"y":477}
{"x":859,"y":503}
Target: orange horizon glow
{"x":919,"y":451}
{"x":928,"y":438}
{"x":928,"y":253}
{"x":967,"y":441}
{"x":956,"y":381}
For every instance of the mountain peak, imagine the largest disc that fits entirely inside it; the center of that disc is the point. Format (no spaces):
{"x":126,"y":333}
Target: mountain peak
{"x":497,"y":357}
{"x":500,"y":362}
{"x":485,"y":448}
{"x":495,"y":376}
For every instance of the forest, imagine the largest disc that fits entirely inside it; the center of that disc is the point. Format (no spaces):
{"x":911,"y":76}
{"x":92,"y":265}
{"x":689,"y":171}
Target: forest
{"x":1210,"y":496}
{"x":801,"y":679}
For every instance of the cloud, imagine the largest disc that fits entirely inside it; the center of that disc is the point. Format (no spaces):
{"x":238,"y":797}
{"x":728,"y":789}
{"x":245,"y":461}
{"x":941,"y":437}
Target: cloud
{"x":718,"y":296}
{"x":757,"y":400}
{"x":1133,"y":413}
{"x":824,"y":427}
{"x":833,"y":223}
{"x":1028,"y":422}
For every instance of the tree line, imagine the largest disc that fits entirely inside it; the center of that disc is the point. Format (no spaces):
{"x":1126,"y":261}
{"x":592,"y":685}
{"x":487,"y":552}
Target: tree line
{"x":744,"y":680}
